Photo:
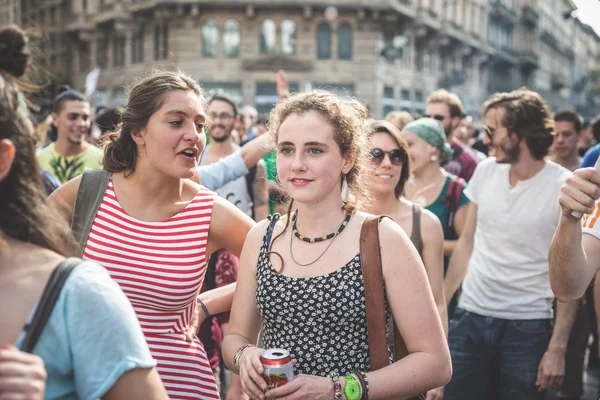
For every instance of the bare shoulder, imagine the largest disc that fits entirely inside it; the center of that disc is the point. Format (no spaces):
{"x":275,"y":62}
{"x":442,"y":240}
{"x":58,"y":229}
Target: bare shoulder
{"x":390,"y":230}
{"x":63,"y":198}
{"x":429,"y":221}
{"x":258,"y":231}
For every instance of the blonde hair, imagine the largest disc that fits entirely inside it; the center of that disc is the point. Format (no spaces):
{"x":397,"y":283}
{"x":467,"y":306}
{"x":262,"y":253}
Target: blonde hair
{"x":450,"y":99}
{"x":399,"y":118}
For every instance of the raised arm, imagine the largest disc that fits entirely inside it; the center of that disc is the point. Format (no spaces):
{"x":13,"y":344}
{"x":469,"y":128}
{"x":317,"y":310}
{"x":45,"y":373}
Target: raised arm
{"x":573,"y":261}
{"x":459,"y":261}
{"x":433,"y":258}
{"x":260,"y":192}
{"x":428,"y":364}
{"x":215,"y":175}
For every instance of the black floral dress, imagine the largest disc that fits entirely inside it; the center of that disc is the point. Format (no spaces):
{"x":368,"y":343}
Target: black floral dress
{"x":321,"y":320}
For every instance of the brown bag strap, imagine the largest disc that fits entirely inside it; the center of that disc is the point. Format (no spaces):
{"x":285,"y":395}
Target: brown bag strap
{"x":370,"y":262}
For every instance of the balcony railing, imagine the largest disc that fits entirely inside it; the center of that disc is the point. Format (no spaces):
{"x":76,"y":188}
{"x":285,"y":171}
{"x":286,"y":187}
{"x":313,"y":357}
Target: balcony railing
{"x":530,"y":16}
{"x":549,"y":38}
{"x":528,"y":60}
{"x":502,"y":12}
{"x":558,"y":80}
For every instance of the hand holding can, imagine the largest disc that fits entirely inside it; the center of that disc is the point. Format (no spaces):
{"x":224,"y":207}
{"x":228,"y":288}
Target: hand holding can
{"x":251,"y":370}
{"x":278,"y":367}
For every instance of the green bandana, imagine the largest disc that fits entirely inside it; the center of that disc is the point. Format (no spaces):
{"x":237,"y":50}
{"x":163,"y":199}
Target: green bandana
{"x":431,"y":131}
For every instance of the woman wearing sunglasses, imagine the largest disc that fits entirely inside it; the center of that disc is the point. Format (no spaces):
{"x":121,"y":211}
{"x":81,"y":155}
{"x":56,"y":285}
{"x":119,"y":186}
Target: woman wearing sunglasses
{"x":387,"y":176}
{"x":431,"y":187}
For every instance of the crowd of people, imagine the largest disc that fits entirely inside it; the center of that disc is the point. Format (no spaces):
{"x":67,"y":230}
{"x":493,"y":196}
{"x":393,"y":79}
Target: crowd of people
{"x":200,"y":234}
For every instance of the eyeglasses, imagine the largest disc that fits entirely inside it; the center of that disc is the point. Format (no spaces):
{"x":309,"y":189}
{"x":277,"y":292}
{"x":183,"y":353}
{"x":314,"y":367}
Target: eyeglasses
{"x":437,"y":116}
{"x":397,"y":156}
{"x":490,"y":132}
{"x":222,"y":117}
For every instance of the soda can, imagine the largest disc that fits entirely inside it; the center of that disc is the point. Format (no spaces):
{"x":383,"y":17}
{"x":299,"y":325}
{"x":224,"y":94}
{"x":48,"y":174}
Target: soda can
{"x":278,"y":367}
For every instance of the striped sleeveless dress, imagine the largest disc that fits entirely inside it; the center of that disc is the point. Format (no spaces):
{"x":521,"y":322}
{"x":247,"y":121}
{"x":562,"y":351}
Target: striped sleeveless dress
{"x":161,"y":266}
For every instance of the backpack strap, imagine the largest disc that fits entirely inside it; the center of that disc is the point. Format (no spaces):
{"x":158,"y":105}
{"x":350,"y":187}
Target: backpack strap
{"x":89,"y":197}
{"x":47,"y":302}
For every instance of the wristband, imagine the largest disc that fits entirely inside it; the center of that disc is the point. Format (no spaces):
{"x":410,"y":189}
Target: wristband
{"x":364,"y":383}
{"x":238,"y":354}
{"x":337,"y":386}
{"x":352,"y":390}
{"x":206,"y":313}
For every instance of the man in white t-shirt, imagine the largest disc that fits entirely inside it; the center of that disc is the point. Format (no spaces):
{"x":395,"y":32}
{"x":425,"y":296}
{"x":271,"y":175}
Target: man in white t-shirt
{"x":501,"y":337}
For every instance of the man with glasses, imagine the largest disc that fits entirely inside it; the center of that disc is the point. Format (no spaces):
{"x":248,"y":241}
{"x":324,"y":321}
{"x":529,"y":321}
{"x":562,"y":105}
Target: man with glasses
{"x":501,"y":337}
{"x":447,"y":108}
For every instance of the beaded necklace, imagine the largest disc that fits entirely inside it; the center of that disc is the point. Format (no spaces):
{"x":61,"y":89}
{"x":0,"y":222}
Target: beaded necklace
{"x":321,"y":238}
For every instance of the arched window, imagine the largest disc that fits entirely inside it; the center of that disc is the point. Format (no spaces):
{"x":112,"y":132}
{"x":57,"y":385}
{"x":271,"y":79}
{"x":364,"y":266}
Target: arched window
{"x":345,"y":42}
{"x":323,"y":41}
{"x":231,"y":38}
{"x":288,"y":37}
{"x":268,"y":36}
{"x":210,"y":38}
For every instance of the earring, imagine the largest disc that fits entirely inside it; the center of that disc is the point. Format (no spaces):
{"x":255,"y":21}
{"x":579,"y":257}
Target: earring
{"x":433,"y":158}
{"x":344,"y":189}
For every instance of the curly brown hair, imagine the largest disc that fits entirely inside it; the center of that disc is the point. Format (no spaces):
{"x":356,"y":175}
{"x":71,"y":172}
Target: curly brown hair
{"x":525,"y":115}
{"x":348,"y":119}
{"x":145,"y":97}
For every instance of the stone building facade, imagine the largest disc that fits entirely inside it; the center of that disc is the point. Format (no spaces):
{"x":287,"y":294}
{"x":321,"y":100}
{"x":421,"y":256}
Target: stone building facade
{"x":390,"y":53}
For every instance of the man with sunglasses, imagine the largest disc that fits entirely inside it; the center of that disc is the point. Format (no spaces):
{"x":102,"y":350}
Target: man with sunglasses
{"x":501,"y":337}
{"x":447,"y":108}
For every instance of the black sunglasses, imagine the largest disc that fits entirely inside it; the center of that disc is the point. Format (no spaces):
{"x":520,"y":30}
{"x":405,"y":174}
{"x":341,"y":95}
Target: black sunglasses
{"x":397,"y":156}
{"x":437,"y":116}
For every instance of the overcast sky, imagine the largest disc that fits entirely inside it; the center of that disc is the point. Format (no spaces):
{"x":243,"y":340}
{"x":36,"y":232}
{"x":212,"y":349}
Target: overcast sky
{"x":588,"y":11}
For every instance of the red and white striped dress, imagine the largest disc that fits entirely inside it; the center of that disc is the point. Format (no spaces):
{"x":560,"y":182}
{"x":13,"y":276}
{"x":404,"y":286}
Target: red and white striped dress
{"x":160,"y":267}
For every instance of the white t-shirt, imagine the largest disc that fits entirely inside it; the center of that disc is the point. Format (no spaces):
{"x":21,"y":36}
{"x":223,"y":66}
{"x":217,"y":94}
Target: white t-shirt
{"x":508,"y":271}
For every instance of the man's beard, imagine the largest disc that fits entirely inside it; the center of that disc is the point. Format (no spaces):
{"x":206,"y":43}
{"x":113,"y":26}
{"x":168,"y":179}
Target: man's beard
{"x":222,"y":138}
{"x":511,"y":154}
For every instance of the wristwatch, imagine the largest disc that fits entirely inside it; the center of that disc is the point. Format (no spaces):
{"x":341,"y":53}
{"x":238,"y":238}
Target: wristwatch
{"x":352,"y":389}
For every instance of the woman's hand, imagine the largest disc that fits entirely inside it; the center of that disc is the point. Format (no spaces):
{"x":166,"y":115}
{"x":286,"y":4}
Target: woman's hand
{"x":197,"y":319}
{"x":22,"y":375}
{"x":304,"y":387}
{"x":251,"y":371}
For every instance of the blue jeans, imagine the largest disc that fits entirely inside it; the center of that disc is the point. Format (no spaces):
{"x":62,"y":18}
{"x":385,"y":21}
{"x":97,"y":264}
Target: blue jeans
{"x":495,"y":358}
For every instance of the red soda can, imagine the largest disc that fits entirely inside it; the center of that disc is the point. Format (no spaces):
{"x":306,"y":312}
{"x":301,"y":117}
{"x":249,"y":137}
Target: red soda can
{"x":278,"y":367}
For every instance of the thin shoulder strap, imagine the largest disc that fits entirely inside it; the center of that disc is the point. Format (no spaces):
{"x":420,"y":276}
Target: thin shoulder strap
{"x":274,"y":218}
{"x":89,"y":197}
{"x":415,"y":235}
{"x":47,"y":302}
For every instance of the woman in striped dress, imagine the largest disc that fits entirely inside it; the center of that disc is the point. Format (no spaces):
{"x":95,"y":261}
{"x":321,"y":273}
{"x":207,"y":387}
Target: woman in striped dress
{"x":155,"y":228}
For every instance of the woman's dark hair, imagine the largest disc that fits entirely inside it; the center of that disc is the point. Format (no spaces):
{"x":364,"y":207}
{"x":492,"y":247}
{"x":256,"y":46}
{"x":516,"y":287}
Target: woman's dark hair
{"x":525,"y":115}
{"x":390,"y":129}
{"x":145,"y":97}
{"x":24,"y":213}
